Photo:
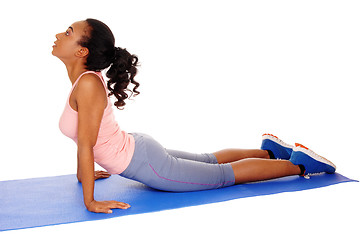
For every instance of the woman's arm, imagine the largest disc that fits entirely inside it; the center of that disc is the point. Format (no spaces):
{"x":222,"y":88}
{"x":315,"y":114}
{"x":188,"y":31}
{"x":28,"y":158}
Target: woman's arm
{"x":91,"y":100}
{"x":78,"y":169}
{"x":97,"y":174}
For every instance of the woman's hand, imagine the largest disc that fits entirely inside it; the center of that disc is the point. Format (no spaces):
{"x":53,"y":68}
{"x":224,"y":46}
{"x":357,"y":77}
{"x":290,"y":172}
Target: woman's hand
{"x":106,"y":206}
{"x":101,"y":174}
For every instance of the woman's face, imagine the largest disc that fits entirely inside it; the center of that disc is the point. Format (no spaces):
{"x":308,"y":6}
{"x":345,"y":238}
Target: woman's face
{"x":66,"y":47}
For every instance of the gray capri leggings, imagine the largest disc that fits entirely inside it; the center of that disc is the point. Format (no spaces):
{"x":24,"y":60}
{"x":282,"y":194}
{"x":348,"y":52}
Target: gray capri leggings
{"x":176,"y":171}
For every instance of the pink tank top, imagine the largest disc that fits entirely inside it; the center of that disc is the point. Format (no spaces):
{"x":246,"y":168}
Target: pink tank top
{"x":114,"y":148}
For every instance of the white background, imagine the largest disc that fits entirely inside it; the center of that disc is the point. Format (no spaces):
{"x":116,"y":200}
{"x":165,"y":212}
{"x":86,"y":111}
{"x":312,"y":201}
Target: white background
{"x":213,"y":75}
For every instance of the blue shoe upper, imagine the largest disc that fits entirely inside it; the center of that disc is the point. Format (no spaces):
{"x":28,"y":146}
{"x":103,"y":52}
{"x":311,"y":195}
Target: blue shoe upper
{"x":312,"y":162}
{"x":280,"y":149}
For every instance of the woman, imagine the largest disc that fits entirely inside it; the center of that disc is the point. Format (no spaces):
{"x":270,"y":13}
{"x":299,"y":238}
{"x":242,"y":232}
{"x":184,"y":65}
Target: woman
{"x":86,"y":48}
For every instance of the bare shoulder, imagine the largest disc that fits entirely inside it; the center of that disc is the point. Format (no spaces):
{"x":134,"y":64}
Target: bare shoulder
{"x":90,"y":81}
{"x":91,"y":88}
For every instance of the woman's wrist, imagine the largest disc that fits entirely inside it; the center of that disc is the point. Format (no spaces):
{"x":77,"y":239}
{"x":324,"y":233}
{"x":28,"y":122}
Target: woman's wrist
{"x":89,"y":203}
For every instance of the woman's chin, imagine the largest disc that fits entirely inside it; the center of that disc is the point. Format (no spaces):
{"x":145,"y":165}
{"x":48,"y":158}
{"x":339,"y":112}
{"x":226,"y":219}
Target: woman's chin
{"x":54,"y":53}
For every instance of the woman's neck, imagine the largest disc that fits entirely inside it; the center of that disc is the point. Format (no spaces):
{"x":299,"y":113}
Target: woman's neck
{"x":74,"y":71}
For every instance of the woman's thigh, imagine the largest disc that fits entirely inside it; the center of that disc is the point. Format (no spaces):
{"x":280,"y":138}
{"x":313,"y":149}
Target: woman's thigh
{"x":154,"y":166}
{"x":199,"y":157}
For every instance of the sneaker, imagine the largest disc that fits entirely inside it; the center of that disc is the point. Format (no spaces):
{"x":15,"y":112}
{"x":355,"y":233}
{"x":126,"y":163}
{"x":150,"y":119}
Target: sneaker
{"x":313,"y":163}
{"x":280,"y":149}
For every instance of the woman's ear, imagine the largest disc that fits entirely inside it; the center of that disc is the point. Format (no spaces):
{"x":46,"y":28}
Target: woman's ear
{"x":82,"y":52}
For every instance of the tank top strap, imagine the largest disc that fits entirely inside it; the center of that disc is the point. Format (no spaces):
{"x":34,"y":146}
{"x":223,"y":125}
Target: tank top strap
{"x":99,"y":74}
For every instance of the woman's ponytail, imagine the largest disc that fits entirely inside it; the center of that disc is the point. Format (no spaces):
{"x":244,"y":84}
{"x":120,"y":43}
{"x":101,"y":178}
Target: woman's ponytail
{"x":123,"y":66}
{"x":122,"y":72}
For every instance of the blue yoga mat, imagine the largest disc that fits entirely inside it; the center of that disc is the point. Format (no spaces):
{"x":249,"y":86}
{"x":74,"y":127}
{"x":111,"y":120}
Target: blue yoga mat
{"x":56,"y":200}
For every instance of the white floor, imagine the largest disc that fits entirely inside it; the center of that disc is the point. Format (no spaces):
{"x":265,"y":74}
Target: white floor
{"x":213,"y":75}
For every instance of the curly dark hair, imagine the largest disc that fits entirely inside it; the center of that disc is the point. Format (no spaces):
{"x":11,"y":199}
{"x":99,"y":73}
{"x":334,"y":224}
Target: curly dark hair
{"x":102,"y":53}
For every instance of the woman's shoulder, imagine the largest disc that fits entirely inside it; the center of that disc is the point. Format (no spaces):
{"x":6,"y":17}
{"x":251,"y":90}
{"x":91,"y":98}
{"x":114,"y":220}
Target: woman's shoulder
{"x":90,"y":80}
{"x":90,"y":86}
